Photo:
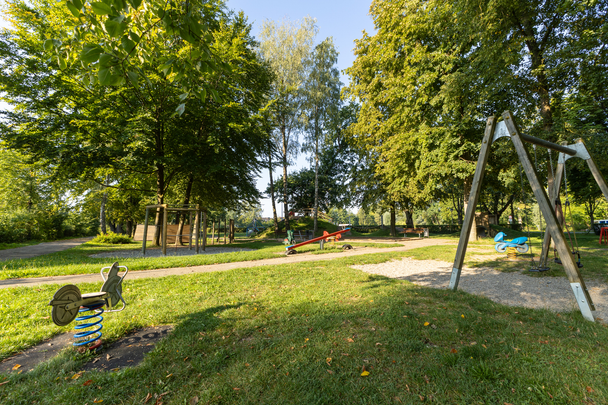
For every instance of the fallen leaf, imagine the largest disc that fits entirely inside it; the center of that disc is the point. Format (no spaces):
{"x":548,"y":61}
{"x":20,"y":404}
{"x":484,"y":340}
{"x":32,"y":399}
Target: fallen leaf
{"x":462,"y":315}
{"x":96,"y":359}
{"x":454,"y":351}
{"x":434,"y":326}
{"x":108,"y":357}
{"x":193,"y":401}
{"x":87,"y":382}
{"x":76,"y":376}
{"x":589,"y":389}
{"x":236,"y":389}
{"x":328,"y":361}
{"x":116,"y":369}
{"x":365,"y":374}
{"x":473,"y":343}
{"x":426,"y":324}
{"x":2,"y":383}
{"x":378,"y":344}
{"x":16,"y":366}
{"x":169,"y":375}
{"x":330,"y":372}
{"x":349,"y":340}
{"x":98,"y":401}
{"x":147,"y":398}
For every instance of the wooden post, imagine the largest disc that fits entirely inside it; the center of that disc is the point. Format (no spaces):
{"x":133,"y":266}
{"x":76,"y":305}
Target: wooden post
{"x":557,"y":182}
{"x":231,"y":234}
{"x":204,"y":230}
{"x":197,"y":222}
{"x":469,"y":217}
{"x":191,"y":230}
{"x":599,"y":179}
{"x":143,"y":246}
{"x":576,"y":282}
{"x":225,"y":229}
{"x":165,"y":215}
{"x":213,"y":232}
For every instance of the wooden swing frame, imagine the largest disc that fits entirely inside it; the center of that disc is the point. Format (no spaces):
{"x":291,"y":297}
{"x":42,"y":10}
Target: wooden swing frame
{"x":508,"y":128}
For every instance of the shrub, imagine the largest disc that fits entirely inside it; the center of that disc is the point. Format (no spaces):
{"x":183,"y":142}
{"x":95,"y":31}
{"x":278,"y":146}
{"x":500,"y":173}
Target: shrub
{"x":112,"y":238}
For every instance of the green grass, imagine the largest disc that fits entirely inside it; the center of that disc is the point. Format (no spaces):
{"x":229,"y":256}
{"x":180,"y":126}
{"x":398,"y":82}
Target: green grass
{"x":4,"y":246}
{"x":594,"y":257}
{"x":302,"y":334}
{"x":77,"y":260}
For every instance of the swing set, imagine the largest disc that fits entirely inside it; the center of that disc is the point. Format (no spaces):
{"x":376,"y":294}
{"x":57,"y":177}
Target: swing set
{"x":547,"y":207}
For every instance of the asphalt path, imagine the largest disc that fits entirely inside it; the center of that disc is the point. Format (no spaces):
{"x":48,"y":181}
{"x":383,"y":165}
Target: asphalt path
{"x":176,"y":271}
{"x":27,"y":252}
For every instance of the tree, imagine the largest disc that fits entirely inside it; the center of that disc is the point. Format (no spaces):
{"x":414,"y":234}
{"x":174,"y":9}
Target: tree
{"x":287,"y":48}
{"x":435,"y":70}
{"x":322,"y":92}
{"x":153,"y":127}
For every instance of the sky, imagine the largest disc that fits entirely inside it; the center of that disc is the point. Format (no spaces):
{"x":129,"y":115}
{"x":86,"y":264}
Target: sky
{"x":341,"y":19}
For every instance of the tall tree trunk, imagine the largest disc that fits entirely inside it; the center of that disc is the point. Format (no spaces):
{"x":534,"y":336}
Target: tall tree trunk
{"x":316,"y":208}
{"x":274,"y":207}
{"x":102,"y":210}
{"x":160,"y":199}
{"x":286,"y":212}
{"x":393,"y":220}
{"x":409,"y":218}
{"x":181,"y":218}
{"x":160,"y":177}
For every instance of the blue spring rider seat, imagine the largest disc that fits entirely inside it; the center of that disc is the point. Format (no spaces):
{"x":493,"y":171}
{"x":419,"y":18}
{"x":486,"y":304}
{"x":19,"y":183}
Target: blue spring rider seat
{"x":517,"y":243}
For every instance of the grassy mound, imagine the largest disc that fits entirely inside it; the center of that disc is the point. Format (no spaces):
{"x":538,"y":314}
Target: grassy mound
{"x":302,"y":224}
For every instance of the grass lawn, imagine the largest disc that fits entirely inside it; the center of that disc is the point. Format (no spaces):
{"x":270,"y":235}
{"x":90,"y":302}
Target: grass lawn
{"x":315,"y":333}
{"x":77,"y":260}
{"x":594,"y":257}
{"x":4,"y":246}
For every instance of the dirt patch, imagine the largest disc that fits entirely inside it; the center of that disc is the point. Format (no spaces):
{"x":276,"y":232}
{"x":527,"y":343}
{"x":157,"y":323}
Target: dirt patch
{"x":27,"y":360}
{"x":128,"y":351}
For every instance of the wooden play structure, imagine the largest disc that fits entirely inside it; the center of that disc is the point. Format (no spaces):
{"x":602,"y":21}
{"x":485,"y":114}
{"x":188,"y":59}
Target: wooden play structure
{"x":163,"y":210}
{"x":508,"y":128}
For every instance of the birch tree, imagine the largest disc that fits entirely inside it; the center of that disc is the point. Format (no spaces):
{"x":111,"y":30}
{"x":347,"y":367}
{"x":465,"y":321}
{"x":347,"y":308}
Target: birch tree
{"x":287,"y":49}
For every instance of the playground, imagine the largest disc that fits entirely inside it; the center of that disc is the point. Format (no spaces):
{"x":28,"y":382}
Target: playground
{"x":358,"y":318}
{"x":206,"y":202}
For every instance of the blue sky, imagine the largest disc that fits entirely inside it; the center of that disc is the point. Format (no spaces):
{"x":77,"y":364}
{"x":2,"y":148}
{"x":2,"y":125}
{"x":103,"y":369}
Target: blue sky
{"x":340,"y":19}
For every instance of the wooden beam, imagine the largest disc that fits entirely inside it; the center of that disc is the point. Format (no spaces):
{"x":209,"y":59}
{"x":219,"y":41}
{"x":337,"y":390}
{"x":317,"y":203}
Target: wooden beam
{"x":143,"y":246}
{"x":164,"y":241}
{"x":557,"y":182}
{"x":576,"y":281}
{"x":599,"y":179}
{"x":469,"y":217}
{"x":546,"y":144}
{"x":197,"y":221}
{"x":204,"y":231}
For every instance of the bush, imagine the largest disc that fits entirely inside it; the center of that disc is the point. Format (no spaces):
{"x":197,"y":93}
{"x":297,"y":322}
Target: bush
{"x":112,"y":238}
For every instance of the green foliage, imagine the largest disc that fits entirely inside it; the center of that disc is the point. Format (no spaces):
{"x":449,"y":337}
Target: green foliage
{"x":434,"y":71}
{"x":112,"y":238}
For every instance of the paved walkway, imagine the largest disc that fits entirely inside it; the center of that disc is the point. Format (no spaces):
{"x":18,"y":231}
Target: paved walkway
{"x":27,"y":252}
{"x":298,"y":258}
